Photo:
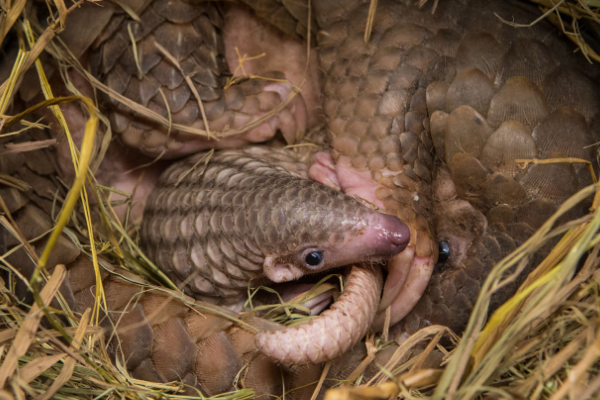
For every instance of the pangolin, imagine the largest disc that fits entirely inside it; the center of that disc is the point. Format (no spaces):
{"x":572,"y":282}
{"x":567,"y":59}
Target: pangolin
{"x":425,"y":119}
{"x":243,"y":216}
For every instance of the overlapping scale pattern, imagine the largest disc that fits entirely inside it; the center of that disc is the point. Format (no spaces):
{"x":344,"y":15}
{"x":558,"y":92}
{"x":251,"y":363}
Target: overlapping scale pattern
{"x":191,"y":34}
{"x":212,"y":225}
{"x":128,"y":57}
{"x":457,"y":97}
{"x":481,"y":202}
{"x":158,"y":336}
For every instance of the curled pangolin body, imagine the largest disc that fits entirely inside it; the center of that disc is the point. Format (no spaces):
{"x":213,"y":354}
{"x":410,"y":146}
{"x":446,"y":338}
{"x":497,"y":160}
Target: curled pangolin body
{"x":219,"y":225}
{"x":438,"y":108}
{"x":191,"y":34}
{"x":434,"y":105}
{"x":213,"y":226}
{"x":171,"y":61}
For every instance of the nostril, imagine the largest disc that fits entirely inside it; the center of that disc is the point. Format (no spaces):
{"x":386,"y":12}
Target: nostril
{"x":396,"y":230}
{"x":400,"y":239}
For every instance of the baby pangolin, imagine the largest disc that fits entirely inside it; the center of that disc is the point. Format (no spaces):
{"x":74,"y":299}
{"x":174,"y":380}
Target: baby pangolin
{"x":218,"y":224}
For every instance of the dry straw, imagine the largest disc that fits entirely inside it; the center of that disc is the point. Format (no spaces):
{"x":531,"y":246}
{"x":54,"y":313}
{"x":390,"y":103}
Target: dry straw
{"x":542,"y":343}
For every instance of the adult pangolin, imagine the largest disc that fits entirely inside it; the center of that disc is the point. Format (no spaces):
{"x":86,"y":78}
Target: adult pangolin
{"x":425,"y":120}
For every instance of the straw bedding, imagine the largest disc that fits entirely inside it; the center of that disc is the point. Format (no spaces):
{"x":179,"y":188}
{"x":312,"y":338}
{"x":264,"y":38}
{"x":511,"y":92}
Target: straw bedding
{"x":542,"y":343}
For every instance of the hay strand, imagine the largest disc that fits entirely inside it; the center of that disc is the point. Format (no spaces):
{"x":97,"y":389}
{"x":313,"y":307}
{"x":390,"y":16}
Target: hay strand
{"x":541,"y":344}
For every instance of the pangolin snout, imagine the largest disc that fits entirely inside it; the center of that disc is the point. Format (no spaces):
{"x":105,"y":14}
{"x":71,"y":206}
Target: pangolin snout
{"x":391,"y":234}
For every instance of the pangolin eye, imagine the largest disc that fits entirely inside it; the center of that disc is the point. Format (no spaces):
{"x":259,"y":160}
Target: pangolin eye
{"x":444,"y":252}
{"x":314,"y":258}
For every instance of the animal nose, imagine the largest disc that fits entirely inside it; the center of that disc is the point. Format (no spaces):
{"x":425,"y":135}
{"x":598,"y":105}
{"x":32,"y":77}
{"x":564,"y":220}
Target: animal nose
{"x":396,"y":231}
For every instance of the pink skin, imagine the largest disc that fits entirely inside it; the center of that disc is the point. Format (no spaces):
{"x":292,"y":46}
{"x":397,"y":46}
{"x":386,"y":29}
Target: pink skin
{"x":408,"y":275}
{"x":351,"y":182}
{"x":252,"y":37}
{"x":383,"y":237}
{"x":397,"y":274}
{"x":409,"y":294}
{"x":323,"y":170}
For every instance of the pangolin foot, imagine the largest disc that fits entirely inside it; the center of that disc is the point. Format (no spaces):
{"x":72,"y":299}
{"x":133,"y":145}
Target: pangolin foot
{"x":249,"y":112}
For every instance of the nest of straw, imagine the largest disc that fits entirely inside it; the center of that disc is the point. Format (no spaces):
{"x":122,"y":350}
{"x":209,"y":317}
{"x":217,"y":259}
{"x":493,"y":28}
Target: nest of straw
{"x":542,"y":343}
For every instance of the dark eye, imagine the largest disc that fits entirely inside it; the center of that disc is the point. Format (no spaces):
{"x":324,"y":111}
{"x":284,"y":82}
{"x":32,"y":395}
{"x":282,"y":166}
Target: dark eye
{"x":444,"y":252}
{"x":315,"y":258}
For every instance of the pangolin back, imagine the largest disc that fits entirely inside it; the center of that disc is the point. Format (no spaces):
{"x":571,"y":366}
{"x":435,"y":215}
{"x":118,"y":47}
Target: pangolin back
{"x":211,"y":220}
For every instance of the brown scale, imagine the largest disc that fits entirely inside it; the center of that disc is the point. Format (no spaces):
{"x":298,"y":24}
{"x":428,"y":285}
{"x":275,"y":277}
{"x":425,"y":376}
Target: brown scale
{"x":480,"y":230}
{"x":191,"y":32}
{"x":158,"y":338}
{"x":214,"y":229}
{"x":463,"y":89}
